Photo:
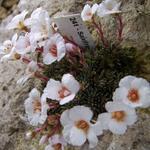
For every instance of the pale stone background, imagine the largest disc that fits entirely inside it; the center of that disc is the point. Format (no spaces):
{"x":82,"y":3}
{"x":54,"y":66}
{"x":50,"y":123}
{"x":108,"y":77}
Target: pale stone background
{"x":12,"y":128}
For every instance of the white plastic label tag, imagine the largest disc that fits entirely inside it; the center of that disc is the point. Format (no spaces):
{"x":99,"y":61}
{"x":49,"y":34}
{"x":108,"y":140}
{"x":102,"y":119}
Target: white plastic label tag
{"x":74,"y":28}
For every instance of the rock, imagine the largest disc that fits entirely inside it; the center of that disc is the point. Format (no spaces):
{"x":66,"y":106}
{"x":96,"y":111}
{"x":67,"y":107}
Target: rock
{"x":3,"y":13}
{"x":9,"y":3}
{"x":136,"y":34}
{"x":1,"y":2}
{"x":6,"y":7}
{"x":11,"y":103}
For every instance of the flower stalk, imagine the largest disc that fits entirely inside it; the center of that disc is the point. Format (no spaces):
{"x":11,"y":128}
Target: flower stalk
{"x":120,"y":27}
{"x":41,"y":77}
{"x":27,"y":60}
{"x":55,"y":129}
{"x":100,"y":32}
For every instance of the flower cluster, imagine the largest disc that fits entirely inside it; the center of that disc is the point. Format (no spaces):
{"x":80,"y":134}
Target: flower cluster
{"x":77,"y":125}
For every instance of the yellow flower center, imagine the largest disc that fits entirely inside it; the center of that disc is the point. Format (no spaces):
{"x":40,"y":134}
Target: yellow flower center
{"x":64,"y":92}
{"x":118,"y":115}
{"x":83,"y":125}
{"x":21,"y":26}
{"x":89,"y":14}
{"x":133,"y":95}
{"x":37,"y":106}
{"x":57,"y":146}
{"x":17,"y":56}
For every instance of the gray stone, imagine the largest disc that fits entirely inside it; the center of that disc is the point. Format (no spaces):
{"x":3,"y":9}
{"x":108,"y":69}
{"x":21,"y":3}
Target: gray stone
{"x":136,"y":34}
{"x":136,"y":20}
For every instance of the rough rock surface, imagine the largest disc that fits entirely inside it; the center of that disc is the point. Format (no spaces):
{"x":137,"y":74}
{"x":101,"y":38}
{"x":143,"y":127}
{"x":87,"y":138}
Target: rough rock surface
{"x":6,"y":7}
{"x":136,"y":20}
{"x":12,"y":128}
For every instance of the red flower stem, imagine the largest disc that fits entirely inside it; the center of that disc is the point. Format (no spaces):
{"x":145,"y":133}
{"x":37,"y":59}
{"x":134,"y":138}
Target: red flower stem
{"x":55,"y":129}
{"x":120,"y":27}
{"x":37,"y":130}
{"x":41,"y":77}
{"x":40,"y":49}
{"x":40,"y":65}
{"x":53,"y":105}
{"x":27,"y":60}
{"x":100,"y":31}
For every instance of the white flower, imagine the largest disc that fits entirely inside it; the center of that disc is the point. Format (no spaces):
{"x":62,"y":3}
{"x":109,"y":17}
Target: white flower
{"x":118,"y":117}
{"x":63,"y":91}
{"x":108,"y":7}
{"x":40,"y":26}
{"x":23,"y":45}
{"x":8,"y":51}
{"x":88,"y":12}
{"x":37,"y":14}
{"x":13,"y":55}
{"x":8,"y":45}
{"x":78,"y":128}
{"x":133,"y":91}
{"x":36,"y":108}
{"x":18,"y":22}
{"x":57,"y":142}
{"x":29,"y":73}
{"x":54,"y":49}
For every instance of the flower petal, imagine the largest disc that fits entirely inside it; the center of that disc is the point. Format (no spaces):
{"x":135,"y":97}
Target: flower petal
{"x":66,"y":133}
{"x":34,"y":119}
{"x":117,"y":128}
{"x":126,"y":81}
{"x":28,"y":106}
{"x":145,"y":96}
{"x":85,"y":13}
{"x":80,"y":113}
{"x":103,"y":120}
{"x":71,"y":83}
{"x":77,"y":137}
{"x":119,"y":106}
{"x":35,"y":94}
{"x":64,"y":119}
{"x":49,"y":59}
{"x":92,"y":138}
{"x":94,"y":8}
{"x":52,"y":89}
{"x":61,"y":50}
{"x":138,"y":83}
{"x":120,"y":94}
{"x":131,"y":119}
{"x":67,"y":99}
